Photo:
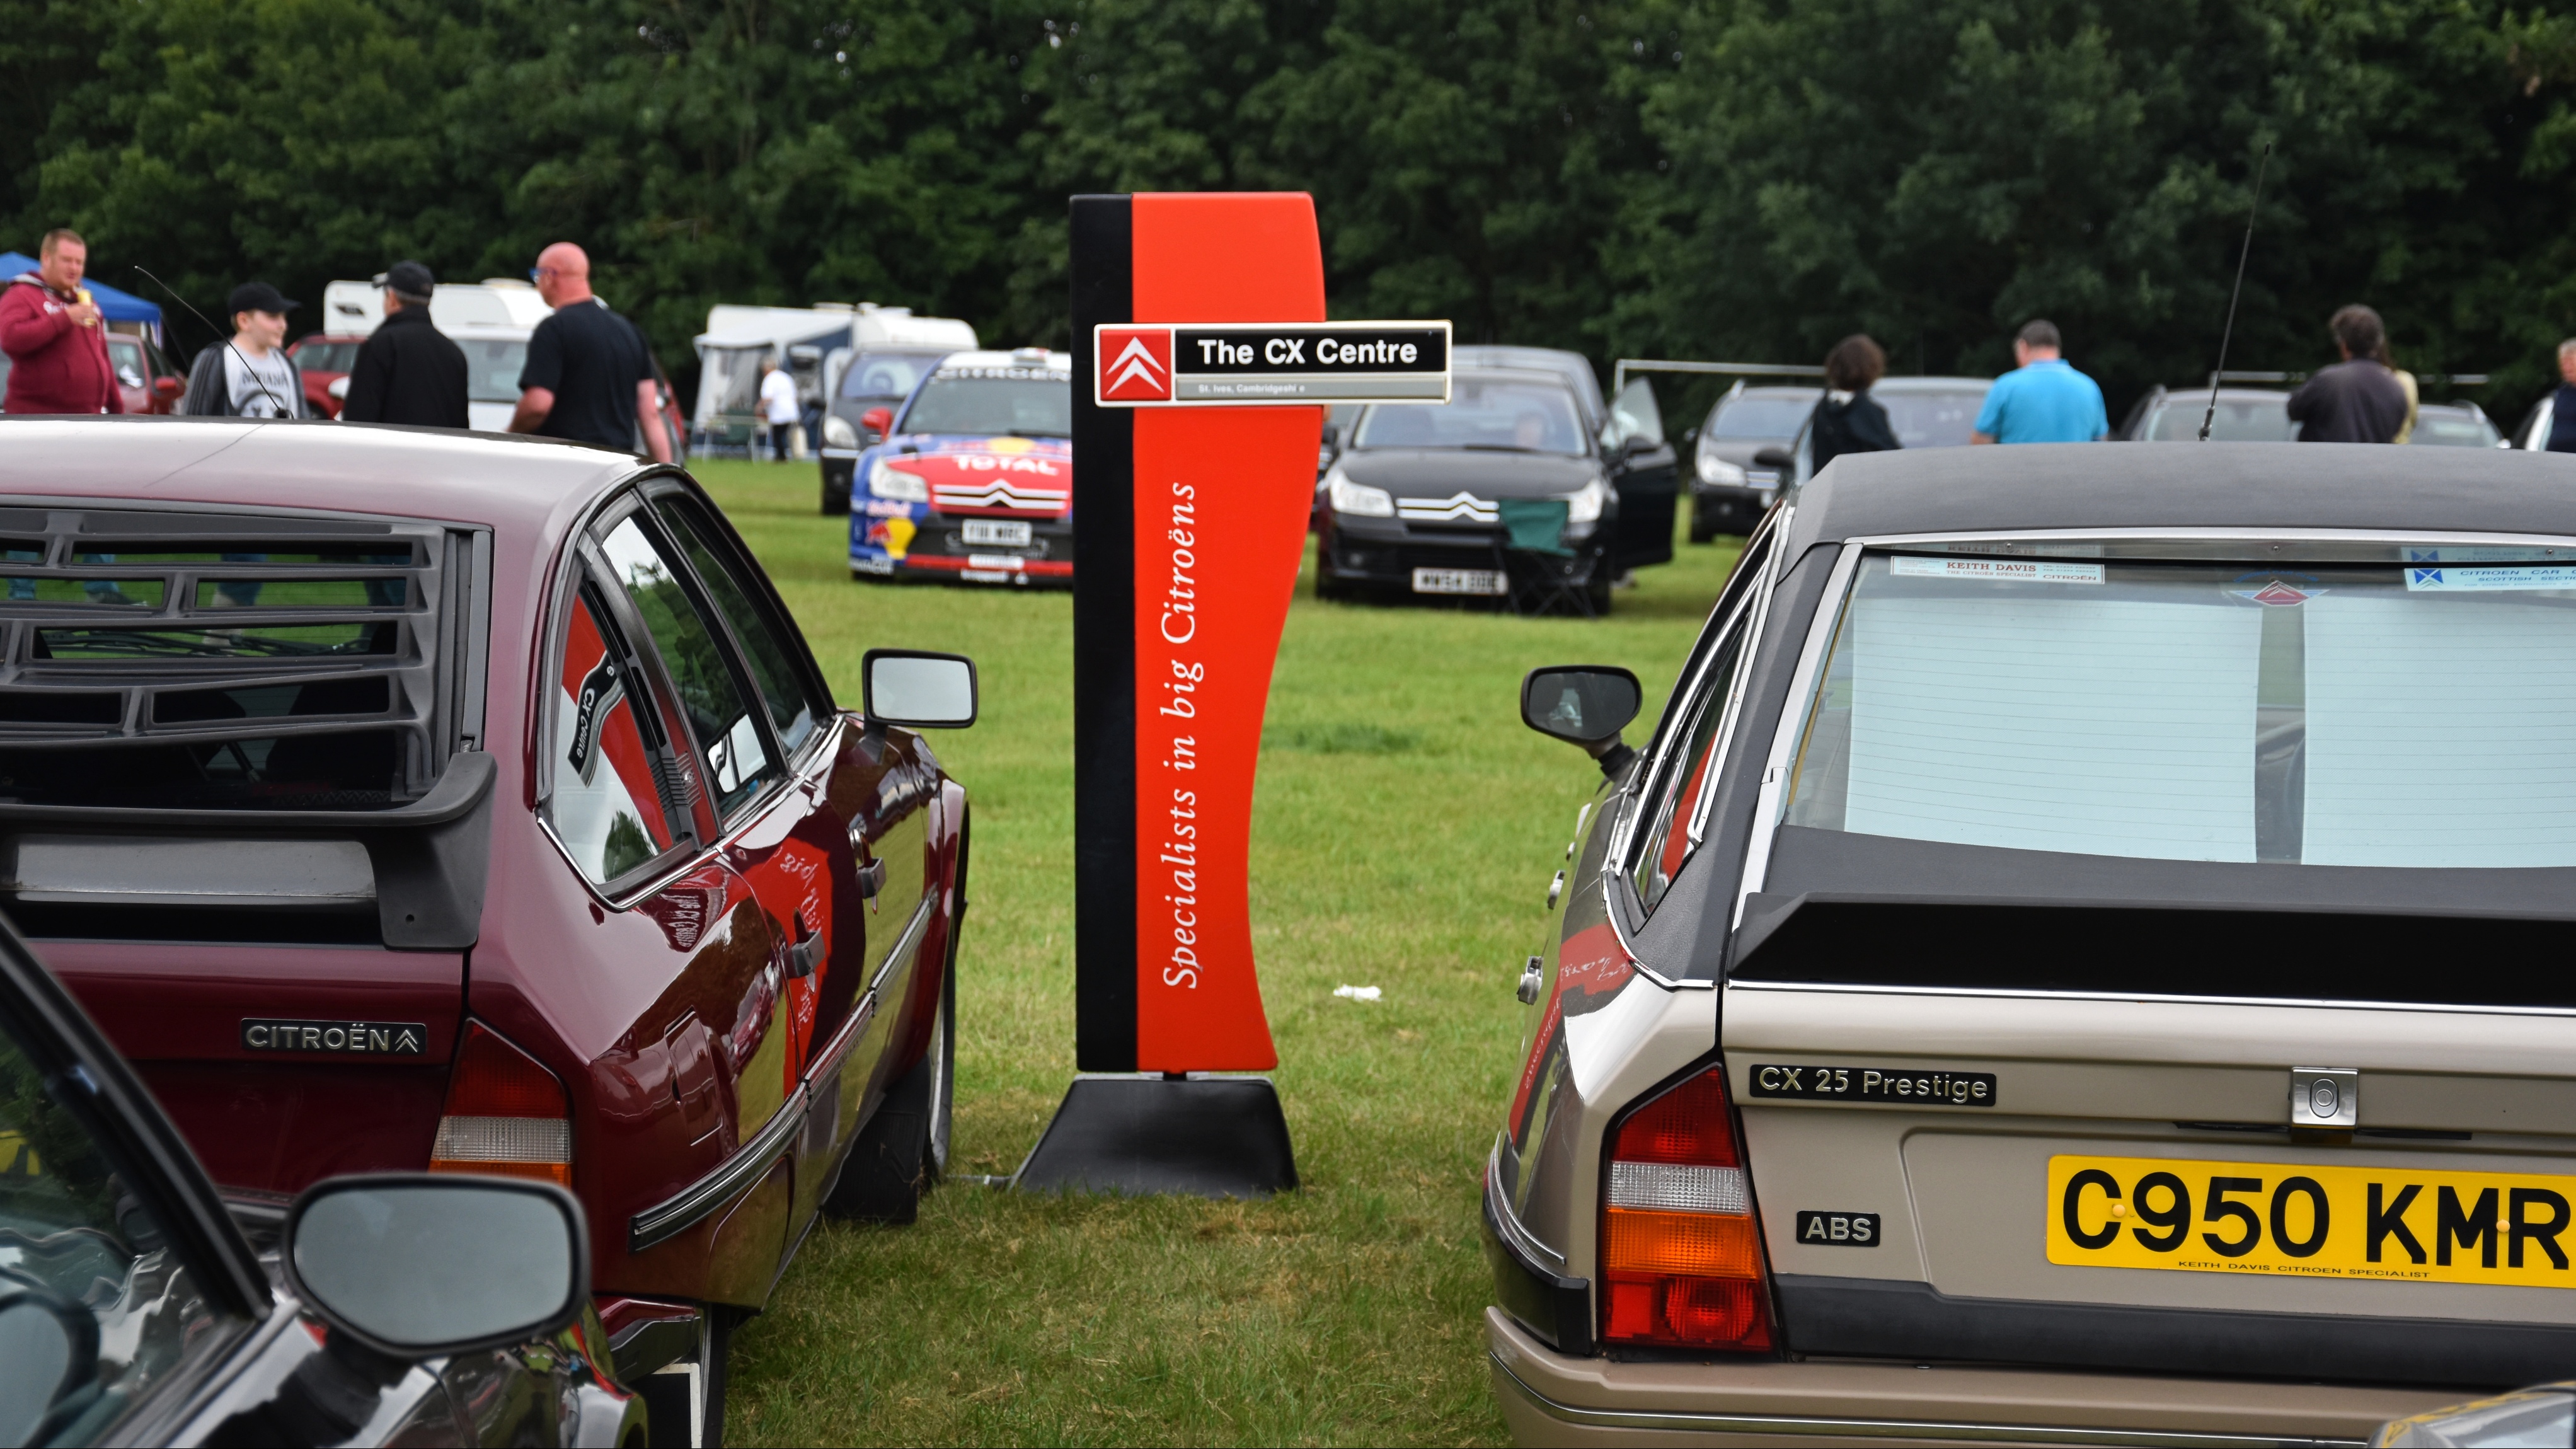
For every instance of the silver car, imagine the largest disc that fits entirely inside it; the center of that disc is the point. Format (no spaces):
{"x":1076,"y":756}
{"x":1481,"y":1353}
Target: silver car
{"x":2081,"y":958}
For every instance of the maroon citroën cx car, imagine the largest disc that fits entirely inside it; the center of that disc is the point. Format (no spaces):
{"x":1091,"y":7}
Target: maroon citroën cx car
{"x":400,"y":799}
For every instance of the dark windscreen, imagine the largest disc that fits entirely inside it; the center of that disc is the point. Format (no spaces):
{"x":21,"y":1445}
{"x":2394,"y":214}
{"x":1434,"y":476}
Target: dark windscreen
{"x":1032,"y":405}
{"x":886,"y":376}
{"x":1750,"y":417}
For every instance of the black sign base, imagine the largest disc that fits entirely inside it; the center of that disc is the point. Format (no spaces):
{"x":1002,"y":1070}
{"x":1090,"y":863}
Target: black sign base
{"x":1206,"y":1136}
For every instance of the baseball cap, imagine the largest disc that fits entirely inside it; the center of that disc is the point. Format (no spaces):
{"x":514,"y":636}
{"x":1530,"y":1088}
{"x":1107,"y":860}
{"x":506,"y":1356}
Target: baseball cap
{"x":410,"y":279}
{"x":258,"y":297}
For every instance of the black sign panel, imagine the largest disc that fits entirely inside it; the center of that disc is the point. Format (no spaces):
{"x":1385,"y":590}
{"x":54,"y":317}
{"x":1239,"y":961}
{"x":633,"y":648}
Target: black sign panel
{"x":1236,"y":364}
{"x":1837,"y":1230}
{"x":1907,"y":1085}
{"x":336,"y":1038}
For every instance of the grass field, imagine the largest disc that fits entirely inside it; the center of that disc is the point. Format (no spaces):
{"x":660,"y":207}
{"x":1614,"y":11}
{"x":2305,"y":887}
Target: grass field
{"x":1405,"y":829}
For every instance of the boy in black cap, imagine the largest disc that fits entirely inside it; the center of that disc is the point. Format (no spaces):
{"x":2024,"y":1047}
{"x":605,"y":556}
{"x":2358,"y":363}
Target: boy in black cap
{"x":408,"y":371}
{"x":253,"y":377}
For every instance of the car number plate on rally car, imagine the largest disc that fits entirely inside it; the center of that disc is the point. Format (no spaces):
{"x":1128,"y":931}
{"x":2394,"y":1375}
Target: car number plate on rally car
{"x":997,"y":532}
{"x":1457,"y":581}
{"x":2311,"y":1220}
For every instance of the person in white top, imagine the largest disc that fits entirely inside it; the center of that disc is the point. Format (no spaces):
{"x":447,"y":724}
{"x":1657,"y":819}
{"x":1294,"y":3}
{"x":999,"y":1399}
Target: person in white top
{"x":778,"y":404}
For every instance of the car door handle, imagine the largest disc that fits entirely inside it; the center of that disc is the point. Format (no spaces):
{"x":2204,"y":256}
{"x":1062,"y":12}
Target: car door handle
{"x":871,"y":879}
{"x":807,"y":953}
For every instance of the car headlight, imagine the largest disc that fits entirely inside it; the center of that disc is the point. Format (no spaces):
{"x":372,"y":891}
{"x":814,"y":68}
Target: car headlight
{"x":1719,"y":473}
{"x":837,"y":433}
{"x":1357,"y":499}
{"x":1584,"y":505}
{"x":887,"y":481}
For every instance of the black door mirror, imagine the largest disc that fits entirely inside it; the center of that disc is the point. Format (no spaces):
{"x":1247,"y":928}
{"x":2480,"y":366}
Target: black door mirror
{"x":1332,"y":436}
{"x":419,"y":1266}
{"x":1779,"y":458}
{"x":918,"y":690}
{"x":1585,"y":705}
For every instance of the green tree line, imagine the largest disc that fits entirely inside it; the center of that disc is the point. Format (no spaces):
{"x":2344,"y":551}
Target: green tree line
{"x":1746,"y":179}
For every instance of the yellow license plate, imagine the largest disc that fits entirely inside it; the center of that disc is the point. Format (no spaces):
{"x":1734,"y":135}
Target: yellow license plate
{"x":2309,"y":1220}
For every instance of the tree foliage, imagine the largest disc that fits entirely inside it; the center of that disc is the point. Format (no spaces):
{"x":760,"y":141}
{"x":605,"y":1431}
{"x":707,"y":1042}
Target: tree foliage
{"x":1697,"y":178}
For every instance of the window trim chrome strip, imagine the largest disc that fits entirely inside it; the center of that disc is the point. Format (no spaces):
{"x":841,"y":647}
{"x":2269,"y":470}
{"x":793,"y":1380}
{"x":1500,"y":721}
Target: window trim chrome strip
{"x":1677,"y":1421}
{"x":691,"y":1205}
{"x":2003,"y":993}
{"x":1772,"y":801}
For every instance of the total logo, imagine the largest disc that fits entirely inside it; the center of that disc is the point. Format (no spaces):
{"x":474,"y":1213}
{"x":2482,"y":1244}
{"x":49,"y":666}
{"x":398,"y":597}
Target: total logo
{"x":1135,"y":364}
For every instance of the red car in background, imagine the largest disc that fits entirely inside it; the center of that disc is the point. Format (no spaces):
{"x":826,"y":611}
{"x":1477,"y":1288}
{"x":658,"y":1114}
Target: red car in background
{"x":323,"y":359}
{"x":490,"y":817}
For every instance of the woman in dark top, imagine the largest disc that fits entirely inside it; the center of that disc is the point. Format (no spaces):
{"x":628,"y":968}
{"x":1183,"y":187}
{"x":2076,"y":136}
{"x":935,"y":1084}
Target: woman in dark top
{"x":1847,"y":418}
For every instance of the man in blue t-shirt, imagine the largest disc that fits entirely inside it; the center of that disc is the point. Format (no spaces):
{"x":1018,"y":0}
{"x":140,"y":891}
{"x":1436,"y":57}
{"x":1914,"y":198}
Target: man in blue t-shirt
{"x":2044,"y":399}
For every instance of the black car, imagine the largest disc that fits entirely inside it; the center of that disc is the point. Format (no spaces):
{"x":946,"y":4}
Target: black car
{"x":1643,"y":470}
{"x":862,"y":408}
{"x":138,"y":1307}
{"x":1417,"y":500}
{"x":1730,"y":490}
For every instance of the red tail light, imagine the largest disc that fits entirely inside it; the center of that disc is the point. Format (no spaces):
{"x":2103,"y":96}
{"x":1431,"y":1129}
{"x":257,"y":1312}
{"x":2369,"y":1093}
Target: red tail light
{"x":507,"y":1116}
{"x":1681,"y":1257}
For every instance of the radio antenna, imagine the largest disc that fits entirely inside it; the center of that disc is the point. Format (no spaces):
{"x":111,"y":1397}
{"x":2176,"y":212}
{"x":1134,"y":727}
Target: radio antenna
{"x":283,"y":410}
{"x":2229,"y":331}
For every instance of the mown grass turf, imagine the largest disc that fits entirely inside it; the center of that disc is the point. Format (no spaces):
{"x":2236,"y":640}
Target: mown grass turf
{"x":1405,"y":829}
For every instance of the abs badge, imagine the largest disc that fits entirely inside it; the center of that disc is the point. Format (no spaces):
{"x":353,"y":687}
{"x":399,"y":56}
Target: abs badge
{"x":1837,"y":1230}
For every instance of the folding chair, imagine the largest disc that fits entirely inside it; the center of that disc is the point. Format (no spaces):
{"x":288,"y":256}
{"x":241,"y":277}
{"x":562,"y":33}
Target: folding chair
{"x":1535,"y":527}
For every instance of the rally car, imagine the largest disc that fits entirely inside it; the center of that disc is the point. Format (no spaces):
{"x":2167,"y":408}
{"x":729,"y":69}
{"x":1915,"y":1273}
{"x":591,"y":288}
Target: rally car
{"x":2077,"y":963}
{"x":974,"y":480}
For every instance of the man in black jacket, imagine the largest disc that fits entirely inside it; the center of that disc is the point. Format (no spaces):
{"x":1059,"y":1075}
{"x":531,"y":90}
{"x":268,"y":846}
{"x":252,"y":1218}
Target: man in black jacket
{"x":2358,"y":400}
{"x":408,"y":371}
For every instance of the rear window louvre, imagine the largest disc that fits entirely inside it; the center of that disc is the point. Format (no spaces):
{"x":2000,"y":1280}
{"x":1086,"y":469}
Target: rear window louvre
{"x":203,"y":660}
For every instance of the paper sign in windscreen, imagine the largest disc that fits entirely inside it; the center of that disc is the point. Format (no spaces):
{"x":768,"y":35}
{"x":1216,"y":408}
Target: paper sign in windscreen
{"x":2093,"y":726}
{"x":2441,"y":731}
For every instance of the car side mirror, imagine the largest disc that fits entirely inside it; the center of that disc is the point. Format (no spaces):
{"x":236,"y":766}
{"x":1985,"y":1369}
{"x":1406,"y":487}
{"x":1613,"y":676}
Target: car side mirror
{"x":877,"y":421}
{"x":917,"y":690}
{"x":1332,"y":435}
{"x":1585,"y":705}
{"x":51,"y":1357}
{"x":415,"y":1265}
{"x":1779,"y":458}
{"x":1636,"y":443}
{"x":339,"y":388}
{"x":166,"y":387}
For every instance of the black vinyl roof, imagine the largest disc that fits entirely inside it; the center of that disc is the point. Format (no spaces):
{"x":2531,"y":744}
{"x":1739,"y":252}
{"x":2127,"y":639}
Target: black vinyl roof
{"x":2294,"y":487}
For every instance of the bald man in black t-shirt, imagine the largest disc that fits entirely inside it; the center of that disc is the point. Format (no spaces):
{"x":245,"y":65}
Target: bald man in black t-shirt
{"x":588,"y":376}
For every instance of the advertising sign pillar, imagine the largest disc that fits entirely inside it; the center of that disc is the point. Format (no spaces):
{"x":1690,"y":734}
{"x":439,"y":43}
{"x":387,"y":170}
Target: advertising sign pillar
{"x":1201,"y":366}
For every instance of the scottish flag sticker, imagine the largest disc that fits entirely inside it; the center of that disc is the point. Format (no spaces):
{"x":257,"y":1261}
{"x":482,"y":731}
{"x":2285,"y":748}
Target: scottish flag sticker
{"x":2420,"y":579}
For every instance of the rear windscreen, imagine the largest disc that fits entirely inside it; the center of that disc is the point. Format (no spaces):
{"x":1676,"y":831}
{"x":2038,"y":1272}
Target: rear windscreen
{"x":2324,"y":714}
{"x":1029,"y":407}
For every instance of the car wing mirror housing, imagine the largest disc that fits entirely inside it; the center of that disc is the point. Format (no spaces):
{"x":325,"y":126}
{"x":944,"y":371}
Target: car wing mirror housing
{"x":876,"y":421}
{"x":417,"y":1265}
{"x":1775,"y":457}
{"x":1584,"y":705}
{"x":917,"y":689}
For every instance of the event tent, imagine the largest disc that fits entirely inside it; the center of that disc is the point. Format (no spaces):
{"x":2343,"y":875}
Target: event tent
{"x":114,"y":305}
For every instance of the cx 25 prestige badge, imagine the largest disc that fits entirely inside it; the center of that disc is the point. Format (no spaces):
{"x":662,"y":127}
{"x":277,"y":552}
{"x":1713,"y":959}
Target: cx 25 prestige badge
{"x":1907,"y":1085}
{"x":341,"y":1038}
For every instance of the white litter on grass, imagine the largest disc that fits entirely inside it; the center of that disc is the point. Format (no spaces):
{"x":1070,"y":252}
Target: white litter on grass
{"x":1357,"y":993}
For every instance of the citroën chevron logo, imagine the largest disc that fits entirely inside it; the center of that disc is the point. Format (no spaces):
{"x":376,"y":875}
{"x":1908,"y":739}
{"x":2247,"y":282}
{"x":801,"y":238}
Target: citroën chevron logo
{"x":1135,"y":364}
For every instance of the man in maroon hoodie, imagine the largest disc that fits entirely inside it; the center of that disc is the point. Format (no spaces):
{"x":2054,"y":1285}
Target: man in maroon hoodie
{"x":51,"y":331}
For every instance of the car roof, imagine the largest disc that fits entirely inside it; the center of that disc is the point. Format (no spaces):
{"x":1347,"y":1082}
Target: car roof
{"x":982,"y":359}
{"x":504,"y":482}
{"x":1571,"y":365}
{"x":2188,"y":391}
{"x":1931,"y":384}
{"x":2204,"y":485}
{"x":1774,"y":390}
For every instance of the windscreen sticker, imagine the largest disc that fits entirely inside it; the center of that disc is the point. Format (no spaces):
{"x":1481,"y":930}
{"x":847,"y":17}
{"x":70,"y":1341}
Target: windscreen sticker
{"x":2451,"y":580}
{"x":2009,"y":570}
{"x":2489,"y":553}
